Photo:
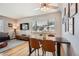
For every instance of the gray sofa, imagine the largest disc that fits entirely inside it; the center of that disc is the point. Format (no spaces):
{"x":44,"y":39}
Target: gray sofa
{"x":4,"y":37}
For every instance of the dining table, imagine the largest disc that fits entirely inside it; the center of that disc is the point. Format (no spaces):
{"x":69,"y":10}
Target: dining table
{"x":58,"y":42}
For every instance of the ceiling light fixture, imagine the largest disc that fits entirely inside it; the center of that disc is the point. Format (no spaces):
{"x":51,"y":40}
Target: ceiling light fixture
{"x":44,"y":7}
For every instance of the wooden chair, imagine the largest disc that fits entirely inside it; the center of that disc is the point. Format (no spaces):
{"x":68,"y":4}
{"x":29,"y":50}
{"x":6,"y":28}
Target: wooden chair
{"x":34,"y":43}
{"x":49,"y":46}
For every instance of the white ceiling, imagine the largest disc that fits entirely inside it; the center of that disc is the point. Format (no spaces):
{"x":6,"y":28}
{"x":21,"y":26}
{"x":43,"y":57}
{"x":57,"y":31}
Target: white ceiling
{"x":19,"y":10}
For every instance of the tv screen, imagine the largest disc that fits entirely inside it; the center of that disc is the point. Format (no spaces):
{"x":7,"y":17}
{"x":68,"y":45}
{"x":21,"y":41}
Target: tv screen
{"x":24,"y":26}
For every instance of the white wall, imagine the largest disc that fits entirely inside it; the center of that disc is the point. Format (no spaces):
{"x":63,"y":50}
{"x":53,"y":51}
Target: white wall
{"x":73,"y":39}
{"x":42,"y":18}
{"x":5,"y":27}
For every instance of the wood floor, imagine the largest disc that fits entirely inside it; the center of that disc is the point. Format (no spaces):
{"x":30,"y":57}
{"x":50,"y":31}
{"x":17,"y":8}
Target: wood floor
{"x":21,"y":50}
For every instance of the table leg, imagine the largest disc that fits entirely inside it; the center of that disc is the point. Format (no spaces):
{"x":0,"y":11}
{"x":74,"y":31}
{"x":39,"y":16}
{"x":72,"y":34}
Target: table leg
{"x":58,"y":49}
{"x":68,"y":50}
{"x":29,"y":48}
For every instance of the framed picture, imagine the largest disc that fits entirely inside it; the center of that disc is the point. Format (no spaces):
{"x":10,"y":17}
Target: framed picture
{"x":71,"y":25}
{"x":65,"y":26}
{"x":67,"y":10}
{"x":64,"y":11}
{"x":73,"y":9}
{"x":10,"y":25}
{"x":63,"y":20}
{"x":24,"y":26}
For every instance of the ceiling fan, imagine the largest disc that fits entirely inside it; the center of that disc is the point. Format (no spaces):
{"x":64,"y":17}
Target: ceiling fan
{"x":47,"y":6}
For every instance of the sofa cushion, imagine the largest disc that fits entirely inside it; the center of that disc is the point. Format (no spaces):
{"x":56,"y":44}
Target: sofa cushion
{"x":3,"y":34}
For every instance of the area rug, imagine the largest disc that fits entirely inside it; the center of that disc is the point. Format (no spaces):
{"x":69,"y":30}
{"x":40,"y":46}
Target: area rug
{"x":12,"y":44}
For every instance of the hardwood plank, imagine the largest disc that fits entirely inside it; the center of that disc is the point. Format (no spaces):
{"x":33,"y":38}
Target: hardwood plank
{"x":21,"y":50}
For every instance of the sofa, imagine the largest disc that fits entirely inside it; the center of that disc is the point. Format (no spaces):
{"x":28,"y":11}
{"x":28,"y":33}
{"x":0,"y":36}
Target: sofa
{"x":22,"y":37}
{"x":3,"y":39}
{"x":4,"y":36}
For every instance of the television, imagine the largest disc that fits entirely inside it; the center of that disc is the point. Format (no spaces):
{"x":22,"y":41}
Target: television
{"x":24,"y":26}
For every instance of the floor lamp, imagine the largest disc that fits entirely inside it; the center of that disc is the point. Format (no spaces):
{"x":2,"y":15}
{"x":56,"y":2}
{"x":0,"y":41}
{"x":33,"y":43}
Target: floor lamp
{"x":14,"y":28}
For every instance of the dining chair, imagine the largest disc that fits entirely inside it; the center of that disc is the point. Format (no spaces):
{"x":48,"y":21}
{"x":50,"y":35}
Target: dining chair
{"x":34,"y":43}
{"x":48,"y":46}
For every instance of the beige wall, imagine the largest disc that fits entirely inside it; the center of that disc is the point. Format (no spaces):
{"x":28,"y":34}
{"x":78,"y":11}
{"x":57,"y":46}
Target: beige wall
{"x":43,"y":18}
{"x":7,"y":20}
